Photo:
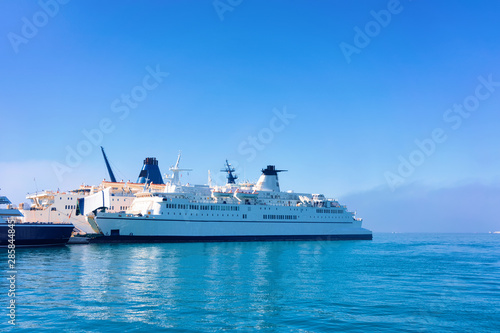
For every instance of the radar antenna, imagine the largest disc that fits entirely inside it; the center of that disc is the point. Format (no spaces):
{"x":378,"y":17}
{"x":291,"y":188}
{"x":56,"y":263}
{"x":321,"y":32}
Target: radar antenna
{"x":230,"y":176}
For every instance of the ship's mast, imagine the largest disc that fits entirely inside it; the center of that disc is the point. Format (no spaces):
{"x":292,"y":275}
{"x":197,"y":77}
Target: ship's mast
{"x":231,"y":178}
{"x":111,"y":175}
{"x":176,"y":180}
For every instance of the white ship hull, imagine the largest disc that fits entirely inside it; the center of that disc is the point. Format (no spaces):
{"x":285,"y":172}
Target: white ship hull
{"x":183,"y":231}
{"x":120,"y":227}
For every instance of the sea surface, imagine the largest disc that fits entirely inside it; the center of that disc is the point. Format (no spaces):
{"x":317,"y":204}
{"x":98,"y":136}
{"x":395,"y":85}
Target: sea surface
{"x":397,"y":282}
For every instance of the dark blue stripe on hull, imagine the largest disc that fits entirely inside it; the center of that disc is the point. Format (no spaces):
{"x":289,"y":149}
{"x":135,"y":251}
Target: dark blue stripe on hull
{"x":193,"y":239}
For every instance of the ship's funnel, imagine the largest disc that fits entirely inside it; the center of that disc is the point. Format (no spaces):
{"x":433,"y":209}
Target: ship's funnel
{"x":268,"y":181}
{"x":150,"y":172}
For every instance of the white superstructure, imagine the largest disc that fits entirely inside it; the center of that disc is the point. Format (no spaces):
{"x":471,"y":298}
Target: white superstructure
{"x":232,"y":212}
{"x":63,"y":207}
{"x":55,"y":207}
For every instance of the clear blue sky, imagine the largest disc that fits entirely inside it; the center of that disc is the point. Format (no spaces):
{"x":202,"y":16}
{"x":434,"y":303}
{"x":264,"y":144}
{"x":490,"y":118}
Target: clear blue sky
{"x":69,"y":67}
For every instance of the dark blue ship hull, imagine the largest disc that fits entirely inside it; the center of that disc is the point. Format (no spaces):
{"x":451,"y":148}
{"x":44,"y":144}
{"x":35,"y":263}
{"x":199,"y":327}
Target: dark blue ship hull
{"x":35,"y":234}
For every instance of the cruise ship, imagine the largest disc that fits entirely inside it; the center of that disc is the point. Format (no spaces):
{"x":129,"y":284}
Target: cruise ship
{"x":233,"y":212}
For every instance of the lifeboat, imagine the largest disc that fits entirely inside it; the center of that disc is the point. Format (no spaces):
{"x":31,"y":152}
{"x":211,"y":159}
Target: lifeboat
{"x":242,"y":194}
{"x":222,"y":193}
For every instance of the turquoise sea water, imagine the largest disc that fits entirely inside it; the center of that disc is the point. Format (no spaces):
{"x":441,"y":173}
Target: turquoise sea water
{"x":397,"y":282}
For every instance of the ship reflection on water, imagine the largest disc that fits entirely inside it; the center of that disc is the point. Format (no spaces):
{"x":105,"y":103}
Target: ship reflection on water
{"x":158,"y":283}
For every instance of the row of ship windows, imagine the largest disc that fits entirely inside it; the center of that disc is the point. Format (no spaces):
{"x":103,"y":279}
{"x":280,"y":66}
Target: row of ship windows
{"x":74,"y":207}
{"x":196,"y":214}
{"x":326,"y":217}
{"x":202,"y":207}
{"x":269,"y":208}
{"x":245,"y":216}
{"x":279,"y":217}
{"x":328,"y":211}
{"x":121,"y":207}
